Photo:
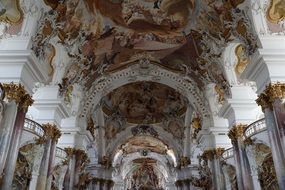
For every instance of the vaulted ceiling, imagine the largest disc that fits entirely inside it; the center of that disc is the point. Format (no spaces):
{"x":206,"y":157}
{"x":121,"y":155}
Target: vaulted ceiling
{"x":104,"y":40}
{"x":182,"y":35}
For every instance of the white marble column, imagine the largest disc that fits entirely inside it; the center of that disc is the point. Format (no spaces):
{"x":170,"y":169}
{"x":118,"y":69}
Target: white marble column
{"x":105,"y":185}
{"x":97,"y":184}
{"x":42,"y":178}
{"x":61,"y":176}
{"x":252,"y":154}
{"x":69,"y":176}
{"x":213,"y":157}
{"x":6,"y":128}
{"x":187,"y":132}
{"x":100,"y":133}
{"x":38,"y":152}
{"x":17,"y":93}
{"x":51,"y":163}
{"x":244,"y":178}
{"x":52,"y":133}
{"x":227,"y":177}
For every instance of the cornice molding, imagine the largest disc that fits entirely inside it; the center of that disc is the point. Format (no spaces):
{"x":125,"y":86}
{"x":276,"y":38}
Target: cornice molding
{"x":25,"y":62}
{"x":267,"y":65}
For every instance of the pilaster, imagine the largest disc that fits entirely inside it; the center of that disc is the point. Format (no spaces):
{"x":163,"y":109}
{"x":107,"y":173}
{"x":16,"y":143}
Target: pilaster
{"x":48,"y":105}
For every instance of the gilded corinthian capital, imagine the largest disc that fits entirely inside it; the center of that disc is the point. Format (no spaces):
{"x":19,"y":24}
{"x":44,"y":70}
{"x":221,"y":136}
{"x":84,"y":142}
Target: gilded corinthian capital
{"x":271,"y":93}
{"x":78,"y":153}
{"x":69,"y":151}
{"x":275,"y":91}
{"x":51,"y":131}
{"x":18,"y":93}
{"x":210,"y":154}
{"x":237,"y":132}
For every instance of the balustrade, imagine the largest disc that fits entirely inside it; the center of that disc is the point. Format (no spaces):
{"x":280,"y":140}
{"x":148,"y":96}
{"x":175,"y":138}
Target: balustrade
{"x":255,"y":128}
{"x":33,"y":127}
{"x":228,"y":153}
{"x":60,"y":153}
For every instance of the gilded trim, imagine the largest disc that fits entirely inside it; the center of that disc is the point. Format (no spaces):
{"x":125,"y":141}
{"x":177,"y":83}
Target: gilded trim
{"x":7,"y":19}
{"x":276,"y":11}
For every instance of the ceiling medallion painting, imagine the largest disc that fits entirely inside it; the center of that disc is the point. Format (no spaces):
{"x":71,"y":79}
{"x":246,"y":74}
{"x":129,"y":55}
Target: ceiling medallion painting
{"x":144,"y":102}
{"x":102,"y":36}
{"x":141,"y":143}
{"x":144,"y":130}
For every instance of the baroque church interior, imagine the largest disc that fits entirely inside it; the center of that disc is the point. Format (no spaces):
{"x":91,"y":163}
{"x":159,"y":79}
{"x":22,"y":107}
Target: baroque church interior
{"x":142,"y":94}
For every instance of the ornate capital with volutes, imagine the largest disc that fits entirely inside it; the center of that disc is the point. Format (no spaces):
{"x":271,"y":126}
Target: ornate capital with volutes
{"x":70,"y":151}
{"x":51,"y":131}
{"x":18,"y":93}
{"x":184,"y":161}
{"x":219,"y":152}
{"x":264,"y":101}
{"x":210,"y":154}
{"x":275,"y":91}
{"x":81,"y":155}
{"x":272,"y":93}
{"x":78,"y":153}
{"x":237,"y":132}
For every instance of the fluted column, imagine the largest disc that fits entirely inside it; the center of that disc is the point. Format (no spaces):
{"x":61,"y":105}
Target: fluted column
{"x":272,"y":103}
{"x":17,"y":93}
{"x":52,"y":134}
{"x":213,"y":156}
{"x":242,"y":164}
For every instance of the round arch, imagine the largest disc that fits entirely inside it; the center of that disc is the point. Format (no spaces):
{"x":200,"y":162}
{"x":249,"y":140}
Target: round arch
{"x":124,"y":136}
{"x":159,"y":158}
{"x":141,"y":72}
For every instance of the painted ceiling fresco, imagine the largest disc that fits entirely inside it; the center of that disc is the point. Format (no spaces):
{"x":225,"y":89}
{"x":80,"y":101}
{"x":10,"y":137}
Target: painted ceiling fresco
{"x":144,"y":102}
{"x":142,"y":143}
{"x":186,"y":37}
{"x":103,"y":36}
